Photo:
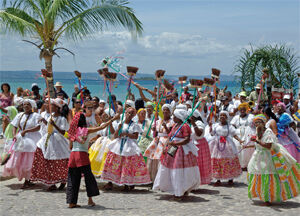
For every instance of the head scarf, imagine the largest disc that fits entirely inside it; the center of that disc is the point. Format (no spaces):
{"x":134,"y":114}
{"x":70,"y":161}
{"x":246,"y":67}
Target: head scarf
{"x":189,"y":103}
{"x":130,"y":103}
{"x":180,"y":114}
{"x":260,"y":117}
{"x":32,"y":103}
{"x":244,"y":105}
{"x":225,"y":112}
{"x":18,"y":101}
{"x":181,"y":107}
{"x":140,"y":110}
{"x":149,"y":103}
{"x":73,"y":126}
{"x":109,"y":112}
{"x":282,"y":105}
{"x":58,"y":102}
{"x":168,"y":106}
{"x":196,"y":113}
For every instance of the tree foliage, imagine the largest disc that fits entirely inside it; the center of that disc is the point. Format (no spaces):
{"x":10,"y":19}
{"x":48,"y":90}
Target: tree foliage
{"x":282,"y":62}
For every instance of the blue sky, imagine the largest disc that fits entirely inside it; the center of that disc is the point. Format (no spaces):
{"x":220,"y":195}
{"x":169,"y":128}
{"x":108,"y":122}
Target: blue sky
{"x":181,"y":36}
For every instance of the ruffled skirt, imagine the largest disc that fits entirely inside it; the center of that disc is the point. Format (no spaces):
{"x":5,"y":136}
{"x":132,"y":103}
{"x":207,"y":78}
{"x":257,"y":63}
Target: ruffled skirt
{"x":269,"y":187}
{"x":19,"y":165}
{"x":49,"y":172}
{"x":97,"y":154}
{"x":156,"y":148}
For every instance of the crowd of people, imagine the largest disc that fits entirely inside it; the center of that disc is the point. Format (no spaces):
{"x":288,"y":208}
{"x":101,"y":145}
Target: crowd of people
{"x":173,"y":141}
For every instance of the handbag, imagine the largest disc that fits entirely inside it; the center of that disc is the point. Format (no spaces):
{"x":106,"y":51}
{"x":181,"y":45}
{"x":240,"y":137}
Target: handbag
{"x":172,"y":151}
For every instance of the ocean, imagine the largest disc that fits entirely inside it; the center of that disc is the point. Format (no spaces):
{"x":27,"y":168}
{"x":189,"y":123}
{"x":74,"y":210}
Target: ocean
{"x":95,"y":83}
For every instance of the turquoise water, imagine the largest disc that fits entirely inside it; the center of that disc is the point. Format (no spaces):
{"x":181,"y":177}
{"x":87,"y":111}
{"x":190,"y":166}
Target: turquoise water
{"x":95,"y":86}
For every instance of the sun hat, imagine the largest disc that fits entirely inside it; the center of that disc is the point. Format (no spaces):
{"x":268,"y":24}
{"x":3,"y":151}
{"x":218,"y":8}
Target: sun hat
{"x":58,"y":84}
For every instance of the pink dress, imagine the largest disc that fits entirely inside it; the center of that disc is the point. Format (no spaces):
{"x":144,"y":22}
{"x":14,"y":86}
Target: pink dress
{"x":204,"y":159}
{"x":179,"y":174}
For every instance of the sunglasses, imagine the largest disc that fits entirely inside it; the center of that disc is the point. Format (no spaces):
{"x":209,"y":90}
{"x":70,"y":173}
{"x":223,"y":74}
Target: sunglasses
{"x":78,"y":102}
{"x":90,"y":108}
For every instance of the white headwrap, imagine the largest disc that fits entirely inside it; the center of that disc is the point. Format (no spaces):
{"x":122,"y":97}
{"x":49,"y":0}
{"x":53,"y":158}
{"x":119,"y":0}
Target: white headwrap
{"x":130,"y":103}
{"x":32,"y":103}
{"x":109,"y":112}
{"x":189,"y":103}
{"x":181,"y":114}
{"x":181,"y":107}
{"x":18,"y":101}
{"x":225,"y":112}
{"x":58,"y":102}
{"x":196,"y":113}
{"x":101,"y":101}
{"x":168,"y":106}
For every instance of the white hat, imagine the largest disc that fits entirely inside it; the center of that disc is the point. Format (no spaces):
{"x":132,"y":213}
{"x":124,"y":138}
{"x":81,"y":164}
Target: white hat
{"x":287,"y":97}
{"x":58,"y":102}
{"x":130,"y":103}
{"x":101,"y":101}
{"x":57,"y":84}
{"x":34,"y":84}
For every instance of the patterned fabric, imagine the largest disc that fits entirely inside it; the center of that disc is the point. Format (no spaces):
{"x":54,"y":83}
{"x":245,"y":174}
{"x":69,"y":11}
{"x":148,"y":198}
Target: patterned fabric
{"x":73,"y":126}
{"x":98,"y":154}
{"x":180,"y":160}
{"x":49,"y":172}
{"x":129,"y":170}
{"x":269,"y":187}
{"x":226,"y":168}
{"x":204,"y":161}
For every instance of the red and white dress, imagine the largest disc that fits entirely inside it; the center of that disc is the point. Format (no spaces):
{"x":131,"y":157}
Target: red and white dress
{"x":50,"y":165}
{"x":125,"y":164}
{"x":204,"y":159}
{"x":179,"y":174}
{"x":225,"y":162}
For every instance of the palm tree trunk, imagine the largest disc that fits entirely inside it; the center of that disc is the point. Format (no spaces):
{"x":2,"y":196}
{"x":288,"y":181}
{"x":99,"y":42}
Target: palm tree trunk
{"x":48,"y":65}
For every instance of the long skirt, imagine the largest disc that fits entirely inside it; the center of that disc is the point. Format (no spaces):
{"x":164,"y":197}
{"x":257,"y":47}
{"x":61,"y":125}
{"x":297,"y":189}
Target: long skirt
{"x":269,"y":187}
{"x":204,"y":161}
{"x":179,"y":174}
{"x":125,"y":170}
{"x":97,"y":155}
{"x":49,"y":172}
{"x":19,"y":165}
{"x":152,"y":166}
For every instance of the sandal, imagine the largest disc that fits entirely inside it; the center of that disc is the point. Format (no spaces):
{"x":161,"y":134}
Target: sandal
{"x":71,"y":205}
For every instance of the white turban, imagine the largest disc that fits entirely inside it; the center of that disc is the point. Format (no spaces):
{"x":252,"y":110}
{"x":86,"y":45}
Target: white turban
{"x":130,"y":103}
{"x":189,"y":103}
{"x":32,"y":103}
{"x":109,"y":112}
{"x":181,"y":107}
{"x":196,"y":113}
{"x":18,"y":101}
{"x":168,"y":106}
{"x":102,"y":101}
{"x":225,"y":112}
{"x":181,"y":114}
{"x":58,"y":102}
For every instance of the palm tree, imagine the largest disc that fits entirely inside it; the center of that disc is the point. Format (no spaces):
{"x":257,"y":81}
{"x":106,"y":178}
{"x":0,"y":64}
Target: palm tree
{"x":281,"y":61}
{"x":50,"y":20}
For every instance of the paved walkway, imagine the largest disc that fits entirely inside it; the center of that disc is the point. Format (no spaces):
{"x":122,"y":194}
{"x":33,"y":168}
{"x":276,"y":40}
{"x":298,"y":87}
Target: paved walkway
{"x":207,"y":200}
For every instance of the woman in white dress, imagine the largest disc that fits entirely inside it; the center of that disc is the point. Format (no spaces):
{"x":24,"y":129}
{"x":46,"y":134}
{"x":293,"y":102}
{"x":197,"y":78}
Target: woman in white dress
{"x":26,"y":133}
{"x":50,"y":165}
{"x":243,"y":123}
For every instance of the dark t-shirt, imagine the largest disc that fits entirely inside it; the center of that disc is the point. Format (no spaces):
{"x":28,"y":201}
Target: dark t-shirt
{"x":62,"y":92}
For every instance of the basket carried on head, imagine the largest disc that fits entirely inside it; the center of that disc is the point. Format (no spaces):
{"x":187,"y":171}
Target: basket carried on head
{"x":168,"y":85}
{"x":182,"y":79}
{"x":102,"y":72}
{"x":45,"y":73}
{"x":209,"y":82}
{"x":159,"y":74}
{"x":215,"y":73}
{"x":111,"y":76}
{"x":131,"y":71}
{"x":195,"y":83}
